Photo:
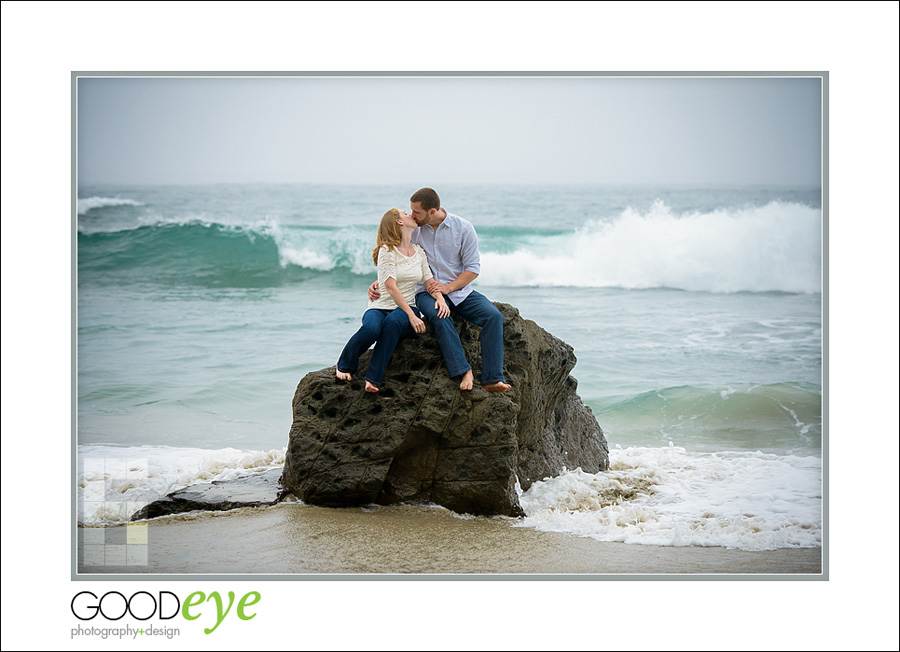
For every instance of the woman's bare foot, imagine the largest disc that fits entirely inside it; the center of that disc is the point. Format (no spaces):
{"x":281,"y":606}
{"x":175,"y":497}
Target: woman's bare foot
{"x":495,"y":387}
{"x":342,"y":375}
{"x":468,"y":380}
{"x":370,"y":387}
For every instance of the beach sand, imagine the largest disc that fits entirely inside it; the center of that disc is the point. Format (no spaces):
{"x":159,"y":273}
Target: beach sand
{"x":297,"y":539}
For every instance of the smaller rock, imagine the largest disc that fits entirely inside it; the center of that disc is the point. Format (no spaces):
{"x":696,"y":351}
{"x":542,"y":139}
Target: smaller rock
{"x":248,"y":491}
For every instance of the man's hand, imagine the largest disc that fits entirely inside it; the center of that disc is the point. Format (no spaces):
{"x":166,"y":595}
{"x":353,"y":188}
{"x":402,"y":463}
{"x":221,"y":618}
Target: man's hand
{"x":459,"y":283}
{"x":443,"y":309}
{"x":437,"y":287}
{"x":374,"y":294}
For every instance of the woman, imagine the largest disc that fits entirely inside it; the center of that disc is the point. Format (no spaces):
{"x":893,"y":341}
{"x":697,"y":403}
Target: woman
{"x":401,"y":266}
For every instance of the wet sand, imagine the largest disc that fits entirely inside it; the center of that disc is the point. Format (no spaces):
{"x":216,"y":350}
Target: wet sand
{"x":296,"y":539}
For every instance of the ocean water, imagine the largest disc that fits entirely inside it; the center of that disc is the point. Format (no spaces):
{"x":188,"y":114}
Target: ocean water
{"x":695,"y":314}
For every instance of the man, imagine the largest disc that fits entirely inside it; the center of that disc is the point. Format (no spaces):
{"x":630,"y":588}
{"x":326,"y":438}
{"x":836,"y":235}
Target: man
{"x":451,"y":245}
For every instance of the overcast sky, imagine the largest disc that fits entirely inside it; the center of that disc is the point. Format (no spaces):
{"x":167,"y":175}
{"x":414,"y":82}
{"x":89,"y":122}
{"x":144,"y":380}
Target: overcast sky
{"x":468,"y":129}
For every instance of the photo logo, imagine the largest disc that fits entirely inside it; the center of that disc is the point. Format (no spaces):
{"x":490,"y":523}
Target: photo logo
{"x":143,"y":606}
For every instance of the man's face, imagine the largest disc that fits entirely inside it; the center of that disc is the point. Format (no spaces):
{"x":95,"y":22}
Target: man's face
{"x":420,"y":215}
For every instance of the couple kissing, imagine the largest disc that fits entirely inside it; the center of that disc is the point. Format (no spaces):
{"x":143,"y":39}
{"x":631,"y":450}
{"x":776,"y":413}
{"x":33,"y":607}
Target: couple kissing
{"x":426,"y":260}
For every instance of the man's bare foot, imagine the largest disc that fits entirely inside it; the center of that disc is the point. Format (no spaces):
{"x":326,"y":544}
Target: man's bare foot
{"x":370,"y":387}
{"x":342,"y":375}
{"x":495,"y":387}
{"x":468,"y":381}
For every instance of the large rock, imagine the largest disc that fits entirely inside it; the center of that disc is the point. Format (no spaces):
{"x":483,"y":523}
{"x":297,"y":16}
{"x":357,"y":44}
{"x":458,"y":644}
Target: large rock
{"x":421,"y":439}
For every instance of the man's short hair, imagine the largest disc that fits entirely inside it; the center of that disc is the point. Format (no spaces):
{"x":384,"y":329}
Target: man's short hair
{"x":427,"y":197}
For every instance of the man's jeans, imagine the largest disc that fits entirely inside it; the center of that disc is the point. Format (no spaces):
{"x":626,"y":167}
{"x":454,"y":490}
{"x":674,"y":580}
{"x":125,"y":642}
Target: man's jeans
{"x":385,"y":328}
{"x":477,"y":309}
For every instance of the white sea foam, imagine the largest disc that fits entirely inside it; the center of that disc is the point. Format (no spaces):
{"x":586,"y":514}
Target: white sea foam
{"x":654,"y":496}
{"x":86,"y":204}
{"x":776,"y":247}
{"x":671,"y":497}
{"x":311,"y":248}
{"x":114,"y":482}
{"x":322,"y":250}
{"x":803,"y":428}
{"x":307,"y":258}
{"x":266,"y":225}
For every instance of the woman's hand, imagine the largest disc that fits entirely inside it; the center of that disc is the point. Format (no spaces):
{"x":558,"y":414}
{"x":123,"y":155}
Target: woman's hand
{"x":417,"y":324}
{"x":441,"y":304}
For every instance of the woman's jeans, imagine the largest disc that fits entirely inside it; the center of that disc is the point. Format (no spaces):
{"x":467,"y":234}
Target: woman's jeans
{"x":383,"y":327}
{"x":479,"y":310}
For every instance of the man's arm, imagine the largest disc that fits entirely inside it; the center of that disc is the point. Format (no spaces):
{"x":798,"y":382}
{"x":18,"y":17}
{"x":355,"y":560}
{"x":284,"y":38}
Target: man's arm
{"x":471,"y":260}
{"x":458,"y":283}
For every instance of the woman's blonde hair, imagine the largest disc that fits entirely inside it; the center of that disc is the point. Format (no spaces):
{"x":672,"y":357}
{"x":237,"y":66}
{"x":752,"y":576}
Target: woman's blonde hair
{"x":389,"y":233}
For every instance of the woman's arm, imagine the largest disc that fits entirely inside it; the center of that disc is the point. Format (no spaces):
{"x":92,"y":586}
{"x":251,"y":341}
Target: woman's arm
{"x":440,"y":302}
{"x":432,"y":287}
{"x":391,"y":285}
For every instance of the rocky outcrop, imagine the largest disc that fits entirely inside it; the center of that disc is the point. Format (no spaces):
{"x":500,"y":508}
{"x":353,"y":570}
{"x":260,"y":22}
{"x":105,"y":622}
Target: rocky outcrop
{"x":421,"y":439}
{"x":252,"y":490}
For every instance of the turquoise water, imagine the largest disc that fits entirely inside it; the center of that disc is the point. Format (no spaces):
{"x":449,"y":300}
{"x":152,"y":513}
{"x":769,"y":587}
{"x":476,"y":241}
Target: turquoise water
{"x":695,"y":313}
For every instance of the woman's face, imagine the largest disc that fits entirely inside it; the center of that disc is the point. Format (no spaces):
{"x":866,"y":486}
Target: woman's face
{"x":407,"y":220}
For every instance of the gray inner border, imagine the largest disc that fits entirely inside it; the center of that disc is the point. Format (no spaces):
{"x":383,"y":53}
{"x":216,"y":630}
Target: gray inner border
{"x":823,"y":576}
